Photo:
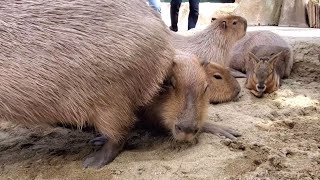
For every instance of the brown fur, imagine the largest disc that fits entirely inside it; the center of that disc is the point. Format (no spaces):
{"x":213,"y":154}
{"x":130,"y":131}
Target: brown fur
{"x":223,"y":86}
{"x":263,"y":75}
{"x":213,"y":43}
{"x":181,"y":107}
{"x":272,"y":42}
{"x":184,"y":98}
{"x":81,"y":62}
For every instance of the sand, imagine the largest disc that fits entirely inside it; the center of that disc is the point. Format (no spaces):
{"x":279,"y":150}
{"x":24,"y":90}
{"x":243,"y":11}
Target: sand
{"x":280,"y":137}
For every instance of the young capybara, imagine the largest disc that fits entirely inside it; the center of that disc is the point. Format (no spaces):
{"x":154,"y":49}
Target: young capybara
{"x":81,"y":62}
{"x":214,"y":42}
{"x":240,"y":51}
{"x":223,"y":86}
{"x":265,"y":68}
{"x":181,"y":106}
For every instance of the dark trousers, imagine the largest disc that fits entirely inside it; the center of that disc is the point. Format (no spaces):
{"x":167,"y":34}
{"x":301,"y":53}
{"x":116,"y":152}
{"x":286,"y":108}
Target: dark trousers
{"x":193,"y":14}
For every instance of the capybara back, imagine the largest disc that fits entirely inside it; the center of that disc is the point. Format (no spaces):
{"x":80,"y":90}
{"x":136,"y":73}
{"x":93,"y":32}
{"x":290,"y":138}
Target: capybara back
{"x":78,"y":62}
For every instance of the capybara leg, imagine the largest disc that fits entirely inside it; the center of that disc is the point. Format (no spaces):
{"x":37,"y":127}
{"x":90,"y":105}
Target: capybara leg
{"x":220,"y":131}
{"x":105,"y":155}
{"x":99,"y":140}
{"x":114,"y":125}
{"x":237,"y":74}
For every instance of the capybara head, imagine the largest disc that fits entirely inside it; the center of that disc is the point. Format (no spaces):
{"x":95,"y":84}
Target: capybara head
{"x":223,"y":86}
{"x":263,"y":77}
{"x":233,"y":27}
{"x":184,"y":101}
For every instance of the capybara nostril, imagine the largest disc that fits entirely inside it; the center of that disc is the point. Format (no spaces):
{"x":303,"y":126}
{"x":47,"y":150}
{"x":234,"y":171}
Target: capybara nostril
{"x":178,"y":128}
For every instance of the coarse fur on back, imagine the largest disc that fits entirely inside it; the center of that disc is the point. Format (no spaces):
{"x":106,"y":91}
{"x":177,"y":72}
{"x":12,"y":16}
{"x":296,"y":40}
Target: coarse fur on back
{"x":240,"y":51}
{"x":81,"y":62}
{"x":213,"y":43}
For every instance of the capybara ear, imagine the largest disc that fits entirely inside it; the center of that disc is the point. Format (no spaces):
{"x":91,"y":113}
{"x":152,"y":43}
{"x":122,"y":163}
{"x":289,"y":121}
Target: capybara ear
{"x":274,"y":58}
{"x":253,"y":58}
{"x":212,"y":69}
{"x":213,"y":19}
{"x":204,"y":62}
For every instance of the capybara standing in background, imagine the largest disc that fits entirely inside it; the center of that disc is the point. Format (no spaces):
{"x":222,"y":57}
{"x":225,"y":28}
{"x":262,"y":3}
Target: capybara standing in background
{"x":240,"y":51}
{"x":81,"y":62}
{"x":214,"y":42}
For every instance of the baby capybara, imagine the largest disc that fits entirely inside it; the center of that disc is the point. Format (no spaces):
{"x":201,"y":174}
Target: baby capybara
{"x":81,"y":62}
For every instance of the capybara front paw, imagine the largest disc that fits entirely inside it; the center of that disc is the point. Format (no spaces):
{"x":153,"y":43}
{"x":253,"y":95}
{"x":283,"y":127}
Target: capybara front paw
{"x":94,"y":162}
{"x":98,"y":141}
{"x":106,"y":154}
{"x":220,"y":131}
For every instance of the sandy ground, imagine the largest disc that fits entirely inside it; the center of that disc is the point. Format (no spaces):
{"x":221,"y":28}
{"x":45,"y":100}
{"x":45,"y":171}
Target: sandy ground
{"x":281,"y":137}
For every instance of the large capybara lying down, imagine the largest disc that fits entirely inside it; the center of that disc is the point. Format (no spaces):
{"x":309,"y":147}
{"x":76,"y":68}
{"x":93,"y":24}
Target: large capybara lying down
{"x":81,"y":62}
{"x":93,"y":63}
{"x":181,"y":105}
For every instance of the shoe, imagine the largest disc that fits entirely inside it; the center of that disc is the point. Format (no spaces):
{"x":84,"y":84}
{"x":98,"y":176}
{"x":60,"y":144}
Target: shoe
{"x":173,"y":29}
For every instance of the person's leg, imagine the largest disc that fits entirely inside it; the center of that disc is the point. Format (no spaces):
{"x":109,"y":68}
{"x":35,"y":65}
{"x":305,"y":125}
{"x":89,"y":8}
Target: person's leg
{"x":193,"y":14}
{"x":155,"y":4}
{"x":174,"y":14}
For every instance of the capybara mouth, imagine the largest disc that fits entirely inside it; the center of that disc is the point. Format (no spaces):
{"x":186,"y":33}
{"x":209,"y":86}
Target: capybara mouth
{"x":183,"y":137}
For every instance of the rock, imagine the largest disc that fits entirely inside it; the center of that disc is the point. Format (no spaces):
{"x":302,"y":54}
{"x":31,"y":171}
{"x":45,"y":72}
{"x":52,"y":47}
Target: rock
{"x":293,"y":13}
{"x":260,"y":12}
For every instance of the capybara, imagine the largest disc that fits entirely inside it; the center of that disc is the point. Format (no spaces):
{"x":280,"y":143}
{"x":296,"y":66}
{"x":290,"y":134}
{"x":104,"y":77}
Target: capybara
{"x":214,"y":42}
{"x":264,"y":72}
{"x":81,"y":62}
{"x":181,"y":105}
{"x":223,"y":86}
{"x":240,"y":51}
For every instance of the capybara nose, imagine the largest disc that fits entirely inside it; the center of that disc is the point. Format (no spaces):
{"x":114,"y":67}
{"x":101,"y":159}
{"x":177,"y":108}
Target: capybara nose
{"x":186,"y":128}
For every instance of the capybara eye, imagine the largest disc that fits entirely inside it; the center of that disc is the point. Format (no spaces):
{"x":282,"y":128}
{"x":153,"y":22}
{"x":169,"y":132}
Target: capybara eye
{"x":234,"y":23}
{"x":217,"y":76}
{"x":168,"y":84}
